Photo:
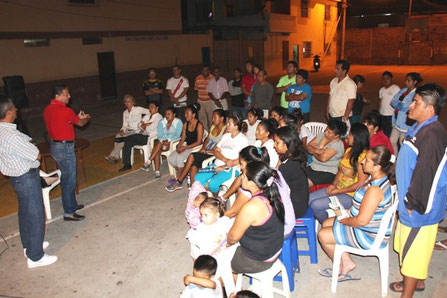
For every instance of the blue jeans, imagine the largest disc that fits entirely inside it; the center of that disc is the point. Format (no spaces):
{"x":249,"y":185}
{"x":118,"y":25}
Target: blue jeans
{"x":65,"y":157}
{"x":31,"y":213}
{"x":238,"y":111}
{"x":319,"y":202}
{"x":214,"y":180}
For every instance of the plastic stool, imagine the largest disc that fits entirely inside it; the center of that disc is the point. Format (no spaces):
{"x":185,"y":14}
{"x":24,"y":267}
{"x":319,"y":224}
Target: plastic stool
{"x":306,"y":224}
{"x":264,"y":281}
{"x":289,"y":258}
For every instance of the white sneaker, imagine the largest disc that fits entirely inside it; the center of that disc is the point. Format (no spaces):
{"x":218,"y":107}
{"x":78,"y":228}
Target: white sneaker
{"x":45,"y":244}
{"x":44,"y":261}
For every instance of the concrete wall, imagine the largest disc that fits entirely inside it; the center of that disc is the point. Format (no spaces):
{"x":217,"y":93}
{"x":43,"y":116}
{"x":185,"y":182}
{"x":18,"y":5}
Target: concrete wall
{"x":388,"y":45}
{"x":57,"y":15}
{"x":68,"y":58}
{"x":141,"y":34}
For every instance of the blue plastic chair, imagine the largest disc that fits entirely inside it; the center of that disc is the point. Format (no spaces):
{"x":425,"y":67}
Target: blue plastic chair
{"x":289,"y":257}
{"x":305,"y":228}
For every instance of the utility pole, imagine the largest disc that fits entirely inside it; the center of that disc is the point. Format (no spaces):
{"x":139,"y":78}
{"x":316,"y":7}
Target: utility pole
{"x":343,"y":33}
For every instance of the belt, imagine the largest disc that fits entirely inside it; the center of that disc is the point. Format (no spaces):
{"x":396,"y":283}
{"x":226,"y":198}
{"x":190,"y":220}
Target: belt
{"x":63,"y":141}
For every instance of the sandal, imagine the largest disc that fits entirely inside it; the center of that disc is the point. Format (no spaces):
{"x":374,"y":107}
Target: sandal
{"x":400,"y":284}
{"x":326,"y":272}
{"x":346,"y":277}
{"x":439,"y":245}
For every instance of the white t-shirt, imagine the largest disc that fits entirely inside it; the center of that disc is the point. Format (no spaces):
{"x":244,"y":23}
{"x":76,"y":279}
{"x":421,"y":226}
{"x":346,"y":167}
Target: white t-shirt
{"x":305,"y":132}
{"x":386,"y":95}
{"x":230,"y":147}
{"x":151,"y":130}
{"x":340,"y":93}
{"x":251,"y":132}
{"x":269,"y":145}
{"x":206,"y":238}
{"x":194,"y":291}
{"x":172,"y":85}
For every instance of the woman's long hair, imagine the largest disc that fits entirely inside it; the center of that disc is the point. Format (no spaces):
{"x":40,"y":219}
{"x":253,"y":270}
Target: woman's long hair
{"x":361,"y":143}
{"x":252,"y":153}
{"x":295,"y":148}
{"x":259,"y":172}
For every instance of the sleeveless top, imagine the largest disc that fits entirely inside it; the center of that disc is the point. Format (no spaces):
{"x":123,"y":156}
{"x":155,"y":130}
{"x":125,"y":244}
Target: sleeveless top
{"x":213,"y":140}
{"x":191,"y":136}
{"x":264,"y":241}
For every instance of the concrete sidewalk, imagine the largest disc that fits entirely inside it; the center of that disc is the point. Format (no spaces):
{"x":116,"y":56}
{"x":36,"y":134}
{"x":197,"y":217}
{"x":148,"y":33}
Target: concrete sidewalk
{"x":132,"y":244}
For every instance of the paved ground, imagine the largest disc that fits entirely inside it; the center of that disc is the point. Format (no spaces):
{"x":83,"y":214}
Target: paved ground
{"x":132,"y":242}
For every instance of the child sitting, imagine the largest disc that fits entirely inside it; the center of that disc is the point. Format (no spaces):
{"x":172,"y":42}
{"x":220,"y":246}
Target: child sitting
{"x":211,"y":234}
{"x":196,"y":196}
{"x":210,"y":238}
{"x":203,"y":282}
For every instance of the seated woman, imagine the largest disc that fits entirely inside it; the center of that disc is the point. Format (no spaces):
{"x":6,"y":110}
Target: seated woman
{"x":131,"y":118}
{"x":253,"y":118}
{"x":371,"y":201}
{"x":327,"y":150}
{"x":169,"y":128}
{"x":192,"y":136}
{"x":278,"y":113}
{"x":227,"y":157}
{"x":247,"y":155}
{"x":349,"y":177}
{"x":195,"y":159}
{"x":373,"y":121}
{"x":148,"y":128}
{"x":259,"y":225}
{"x":264,"y":138}
{"x":293,"y":162}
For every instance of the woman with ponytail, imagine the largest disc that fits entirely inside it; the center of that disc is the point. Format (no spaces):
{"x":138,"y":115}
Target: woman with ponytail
{"x":371,"y":201}
{"x":259,"y":225}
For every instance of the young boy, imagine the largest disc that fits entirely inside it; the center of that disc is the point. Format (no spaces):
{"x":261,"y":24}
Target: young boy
{"x":299,"y":95}
{"x":203,"y":282}
{"x":386,"y":94}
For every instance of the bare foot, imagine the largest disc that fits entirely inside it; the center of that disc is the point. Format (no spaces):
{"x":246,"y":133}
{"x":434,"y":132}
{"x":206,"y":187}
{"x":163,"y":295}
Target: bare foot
{"x":347,"y":266}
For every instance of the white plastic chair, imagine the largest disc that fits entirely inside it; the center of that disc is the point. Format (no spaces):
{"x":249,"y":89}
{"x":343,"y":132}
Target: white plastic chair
{"x":381,"y":253}
{"x":315,"y":127}
{"x":144,"y":149}
{"x":46,"y":191}
{"x":263,"y":281}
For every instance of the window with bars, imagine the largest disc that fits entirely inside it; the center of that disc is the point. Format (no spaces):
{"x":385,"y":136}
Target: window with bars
{"x":304,"y":8}
{"x":307,"y":49}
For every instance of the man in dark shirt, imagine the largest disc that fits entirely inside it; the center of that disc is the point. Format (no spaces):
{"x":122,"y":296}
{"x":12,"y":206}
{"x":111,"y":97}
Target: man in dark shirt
{"x":153,"y":88}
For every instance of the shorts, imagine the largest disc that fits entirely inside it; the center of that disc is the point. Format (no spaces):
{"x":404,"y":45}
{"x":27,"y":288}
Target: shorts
{"x":415,"y":247}
{"x":244,"y":264}
{"x":319,"y":177}
{"x":199,"y":157}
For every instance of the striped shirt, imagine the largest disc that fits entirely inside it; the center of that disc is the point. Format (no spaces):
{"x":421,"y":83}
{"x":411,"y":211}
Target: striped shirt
{"x":17,"y":154}
{"x":200,"y":87}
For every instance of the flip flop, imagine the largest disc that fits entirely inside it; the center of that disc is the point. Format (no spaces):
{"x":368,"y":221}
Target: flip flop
{"x":326,"y":272}
{"x":400,"y":284}
{"x":442,"y":229}
{"x":440,"y":246}
{"x":346,"y":277}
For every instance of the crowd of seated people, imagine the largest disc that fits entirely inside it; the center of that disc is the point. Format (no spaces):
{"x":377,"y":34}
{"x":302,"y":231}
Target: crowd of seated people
{"x":250,"y":177}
